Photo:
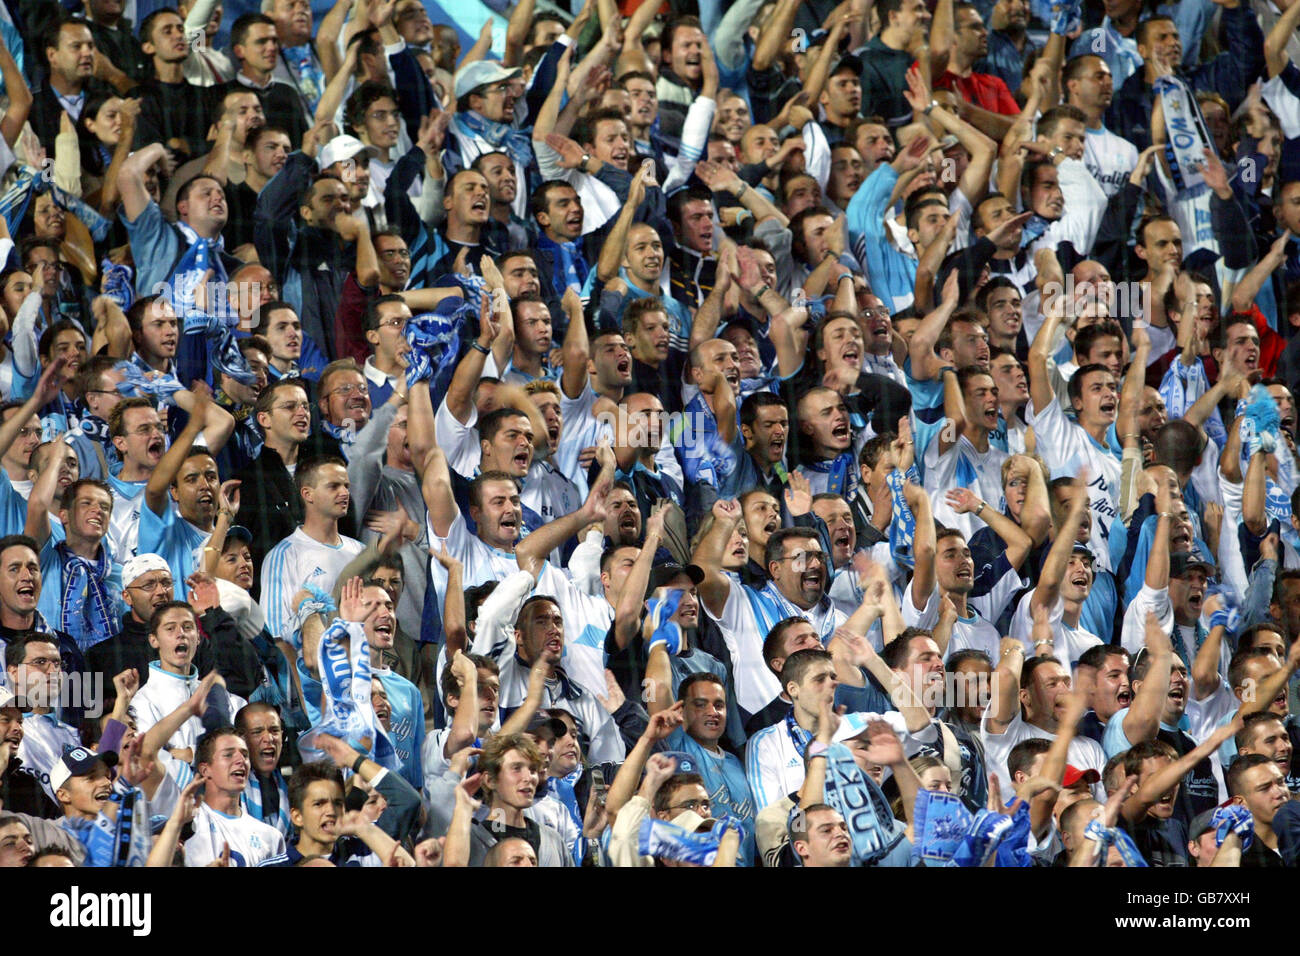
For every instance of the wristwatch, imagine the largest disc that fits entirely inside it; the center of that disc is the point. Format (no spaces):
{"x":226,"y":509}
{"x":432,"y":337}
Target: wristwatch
{"x":1056,"y":151}
{"x":586,"y":158}
{"x":763,"y":290}
{"x":480,"y":348}
{"x":933,"y":104}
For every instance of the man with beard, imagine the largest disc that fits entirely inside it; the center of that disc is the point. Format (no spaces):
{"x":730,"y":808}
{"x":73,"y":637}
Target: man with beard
{"x":622,"y":527}
{"x":146,"y":586}
{"x":800,"y":575}
{"x":988,"y":96}
{"x":764,"y":426}
{"x":266,"y":796}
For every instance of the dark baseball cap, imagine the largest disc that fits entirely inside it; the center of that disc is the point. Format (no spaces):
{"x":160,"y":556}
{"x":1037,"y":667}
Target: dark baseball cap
{"x":665,"y":574}
{"x":1181,"y":562}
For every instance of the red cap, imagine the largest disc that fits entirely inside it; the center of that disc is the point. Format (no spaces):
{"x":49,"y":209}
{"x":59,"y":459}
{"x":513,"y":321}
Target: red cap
{"x":1073,"y":775}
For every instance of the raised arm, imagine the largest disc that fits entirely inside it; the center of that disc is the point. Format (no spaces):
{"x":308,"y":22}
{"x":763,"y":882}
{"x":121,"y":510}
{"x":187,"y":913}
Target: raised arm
{"x":1143,"y":718}
{"x":1041,"y":393}
{"x":1275,"y":41}
{"x":155,"y":492}
{"x":454,"y":627}
{"x":460,"y":392}
{"x":438,"y":496}
{"x":627,"y":616}
{"x":1058,"y":557}
{"x":20,"y":96}
{"x":135,"y":196}
{"x":45,"y":490}
{"x":708,"y":555}
{"x":1168,"y":776}
{"x":925,"y":363}
{"x":923,"y":545}
{"x":532,"y":551}
{"x":615,"y":245}
{"x":774,"y":34}
{"x":1005,"y":705}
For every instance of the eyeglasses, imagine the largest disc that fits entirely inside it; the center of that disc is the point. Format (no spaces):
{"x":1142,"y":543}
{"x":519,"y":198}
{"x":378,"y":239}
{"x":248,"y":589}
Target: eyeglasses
{"x":27,"y":432}
{"x":393,"y":255}
{"x":699,"y":806}
{"x":144,"y":431}
{"x":45,"y":663}
{"x":153,"y":586}
{"x":499,"y":88}
{"x":805,"y":557}
{"x":399,"y":324}
{"x":293,"y":407}
{"x":350,"y":389}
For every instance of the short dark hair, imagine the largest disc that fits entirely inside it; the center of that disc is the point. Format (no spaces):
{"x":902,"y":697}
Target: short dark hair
{"x":450,"y":686}
{"x":799,"y":663}
{"x":1248,"y":724}
{"x":155,"y":619}
{"x":207,"y":743}
{"x":775,"y":548}
{"x":53,"y":332}
{"x":1239,"y":768}
{"x":678,"y":200}
{"x":304,"y":476}
{"x":1048,"y":122}
{"x":1022,"y":755}
{"x":476,"y":486}
{"x":16,"y":647}
{"x":699,"y":677}
{"x":244,"y":23}
{"x":584,"y":131}
{"x":540,"y":201}
{"x":753,"y":402}
{"x":310,"y":773}
{"x":70,"y":493}
{"x":1075,"y":388}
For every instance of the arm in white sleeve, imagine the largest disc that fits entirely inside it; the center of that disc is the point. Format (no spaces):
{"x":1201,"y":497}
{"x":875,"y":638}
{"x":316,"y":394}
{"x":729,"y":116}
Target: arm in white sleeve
{"x":494,"y":634}
{"x":695,"y":136}
{"x":729,"y":38}
{"x":26,"y":360}
{"x":817,"y":159}
{"x":584,"y":563}
{"x":1085,"y":204}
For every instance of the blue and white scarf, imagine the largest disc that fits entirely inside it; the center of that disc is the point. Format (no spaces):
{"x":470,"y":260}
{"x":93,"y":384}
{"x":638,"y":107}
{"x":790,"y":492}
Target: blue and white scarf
{"x":86,"y":611}
{"x":160,"y":386}
{"x":256,"y":806}
{"x":434,"y":338}
{"x":516,"y":142}
{"x":31,"y":183}
{"x":1233,"y":818}
{"x":570,"y":268}
{"x":667,"y":841}
{"x":346,"y":711}
{"x":219,"y":326}
{"x":1188,"y":138}
{"x":861,"y":804}
{"x":200,"y":256}
{"x":902,"y":525}
{"x":838,"y":476}
{"x":1107,"y":837}
{"x":118,"y":283}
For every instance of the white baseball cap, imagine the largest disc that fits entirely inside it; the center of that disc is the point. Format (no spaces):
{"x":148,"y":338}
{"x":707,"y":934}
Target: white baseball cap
{"x":141,"y":565}
{"x":340,"y":148}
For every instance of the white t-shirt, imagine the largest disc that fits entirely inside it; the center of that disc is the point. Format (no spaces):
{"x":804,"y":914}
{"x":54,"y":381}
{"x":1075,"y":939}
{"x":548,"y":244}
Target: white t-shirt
{"x":459,"y":442}
{"x":1070,"y":642}
{"x":968,"y":632}
{"x":252,"y":842}
{"x":1110,"y":158}
{"x":1084,"y":753}
{"x":1068,"y":450}
{"x":963,"y":466}
{"x":292,"y":564}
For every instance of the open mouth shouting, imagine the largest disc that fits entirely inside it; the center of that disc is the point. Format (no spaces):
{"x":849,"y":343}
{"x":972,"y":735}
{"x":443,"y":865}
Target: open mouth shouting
{"x":842,"y":540}
{"x":840,"y":433}
{"x":852,"y":356}
{"x":509,"y":525}
{"x":1108,"y":408}
{"x":479,"y":207}
{"x":239,"y":775}
{"x":384,"y":630}
{"x":624,"y":367}
{"x":574,"y":221}
{"x":1124,"y":696}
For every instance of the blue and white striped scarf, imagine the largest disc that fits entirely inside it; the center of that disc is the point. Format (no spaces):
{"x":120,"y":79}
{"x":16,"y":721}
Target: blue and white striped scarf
{"x":86,"y":612}
{"x":200,"y":256}
{"x":902,"y":525}
{"x":434,"y":338}
{"x":1113,"y":836}
{"x":346,"y":711}
{"x":252,"y":802}
{"x":1188,"y":138}
{"x":160,"y":386}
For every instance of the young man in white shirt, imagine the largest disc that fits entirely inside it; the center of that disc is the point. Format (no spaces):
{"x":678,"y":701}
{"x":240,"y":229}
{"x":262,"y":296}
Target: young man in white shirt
{"x":1031,"y":696}
{"x":222,"y":829}
{"x":1089,"y":87}
{"x":315,"y":553}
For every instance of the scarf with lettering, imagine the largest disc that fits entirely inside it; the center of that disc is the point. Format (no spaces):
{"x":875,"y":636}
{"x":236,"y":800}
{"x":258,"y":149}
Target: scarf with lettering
{"x":1188,"y":139}
{"x":1233,"y":818}
{"x":346,"y":711}
{"x":862,"y":805}
{"x":434,"y":338}
{"x":307,"y":73}
{"x":516,"y":142}
{"x":798,"y":736}
{"x":902,"y":525}
{"x":86,"y":611}
{"x":668,"y":841}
